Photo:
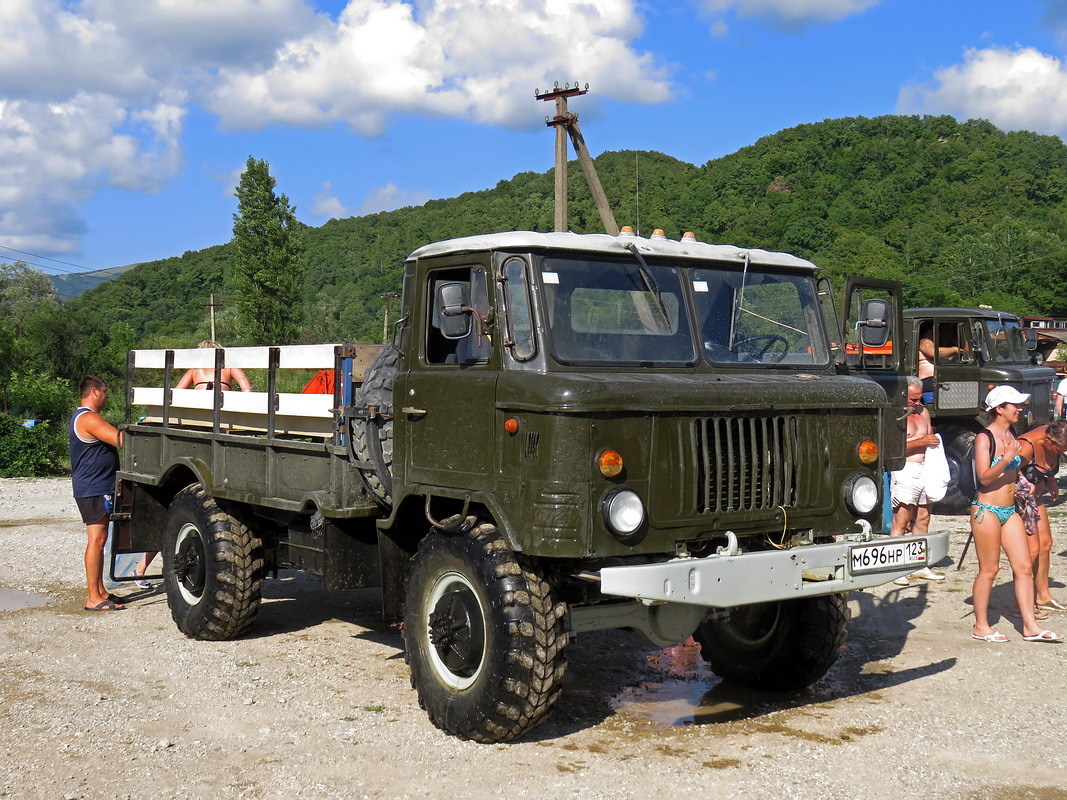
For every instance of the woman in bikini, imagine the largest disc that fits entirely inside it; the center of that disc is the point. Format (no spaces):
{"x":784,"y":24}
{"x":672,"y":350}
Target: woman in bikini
{"x":205,"y":378}
{"x":995,"y":523}
{"x":1046,"y":445}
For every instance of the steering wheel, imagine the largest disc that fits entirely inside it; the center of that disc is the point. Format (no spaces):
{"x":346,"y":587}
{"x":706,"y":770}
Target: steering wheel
{"x":771,"y":339}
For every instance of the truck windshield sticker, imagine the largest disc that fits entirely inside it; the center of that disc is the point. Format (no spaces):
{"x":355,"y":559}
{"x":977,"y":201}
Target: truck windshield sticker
{"x":550,"y":277}
{"x":700,"y":286}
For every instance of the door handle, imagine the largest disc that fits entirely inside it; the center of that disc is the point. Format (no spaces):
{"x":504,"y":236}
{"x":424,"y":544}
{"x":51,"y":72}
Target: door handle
{"x":418,"y":412}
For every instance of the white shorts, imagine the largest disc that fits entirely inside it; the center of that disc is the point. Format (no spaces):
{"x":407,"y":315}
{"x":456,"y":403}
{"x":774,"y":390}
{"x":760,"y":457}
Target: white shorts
{"x":908,"y":485}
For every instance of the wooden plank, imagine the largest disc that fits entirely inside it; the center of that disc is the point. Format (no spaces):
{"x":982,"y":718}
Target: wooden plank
{"x":290,"y":404}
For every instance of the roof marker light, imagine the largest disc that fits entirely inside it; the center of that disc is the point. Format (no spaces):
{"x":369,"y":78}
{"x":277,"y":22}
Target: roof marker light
{"x":626,"y":231}
{"x":688,"y":237}
{"x":657,"y":234}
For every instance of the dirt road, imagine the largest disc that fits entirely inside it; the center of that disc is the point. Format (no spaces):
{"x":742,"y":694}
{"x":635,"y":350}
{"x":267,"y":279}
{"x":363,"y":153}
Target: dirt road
{"x":315,"y":702}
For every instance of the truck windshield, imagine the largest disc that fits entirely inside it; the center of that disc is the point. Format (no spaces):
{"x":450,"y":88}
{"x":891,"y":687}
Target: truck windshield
{"x":616,"y":312}
{"x":1006,"y":343}
{"x":755,"y":317}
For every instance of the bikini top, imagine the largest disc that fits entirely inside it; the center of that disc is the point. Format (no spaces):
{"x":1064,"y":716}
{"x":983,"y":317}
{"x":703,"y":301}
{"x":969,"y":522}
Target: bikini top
{"x":1013,"y":465}
{"x":1032,"y":471}
{"x":209,"y":385}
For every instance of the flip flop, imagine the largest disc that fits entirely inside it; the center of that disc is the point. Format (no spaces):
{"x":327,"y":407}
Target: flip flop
{"x":1044,"y":636}
{"x":106,"y":605}
{"x":991,"y":637}
{"x":1052,"y":605}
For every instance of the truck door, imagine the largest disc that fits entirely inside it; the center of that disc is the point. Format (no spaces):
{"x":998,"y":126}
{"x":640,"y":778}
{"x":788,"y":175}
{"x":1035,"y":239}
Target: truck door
{"x":447,"y":397}
{"x":873,"y":336}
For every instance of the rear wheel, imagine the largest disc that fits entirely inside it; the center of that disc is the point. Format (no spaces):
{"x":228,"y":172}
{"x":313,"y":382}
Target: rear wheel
{"x":212,"y":568}
{"x":778,"y":646}
{"x":483,"y":636}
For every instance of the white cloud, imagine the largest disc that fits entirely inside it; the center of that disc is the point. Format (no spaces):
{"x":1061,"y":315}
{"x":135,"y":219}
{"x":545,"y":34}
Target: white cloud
{"x":389,"y":198}
{"x":55,"y":155}
{"x":1014,"y":89}
{"x":443,"y":58}
{"x":791,"y":11}
{"x":326,"y":205}
{"x":95,"y":93}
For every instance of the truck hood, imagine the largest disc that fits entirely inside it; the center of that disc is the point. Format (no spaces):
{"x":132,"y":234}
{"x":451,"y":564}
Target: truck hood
{"x":674,"y":392}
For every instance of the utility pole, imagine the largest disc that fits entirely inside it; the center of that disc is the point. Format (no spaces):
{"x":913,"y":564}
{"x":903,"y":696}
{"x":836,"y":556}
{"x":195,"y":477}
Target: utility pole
{"x":211,"y":307}
{"x":566,"y":123}
{"x":388,"y":298}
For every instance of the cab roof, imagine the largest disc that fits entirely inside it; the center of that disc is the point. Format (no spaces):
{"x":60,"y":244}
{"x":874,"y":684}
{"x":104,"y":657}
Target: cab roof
{"x":616,"y":246}
{"x":980,"y":313}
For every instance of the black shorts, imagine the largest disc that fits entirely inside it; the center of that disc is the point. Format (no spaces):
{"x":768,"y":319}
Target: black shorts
{"x":94,"y":509}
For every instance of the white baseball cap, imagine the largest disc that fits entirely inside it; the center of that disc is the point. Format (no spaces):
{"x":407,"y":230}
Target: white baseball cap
{"x":999,"y":395}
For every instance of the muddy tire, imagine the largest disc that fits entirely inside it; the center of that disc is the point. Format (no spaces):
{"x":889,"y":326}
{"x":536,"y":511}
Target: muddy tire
{"x":957,"y":449}
{"x":778,"y":646}
{"x":483,"y":636}
{"x":372,"y":440}
{"x":212,"y":568}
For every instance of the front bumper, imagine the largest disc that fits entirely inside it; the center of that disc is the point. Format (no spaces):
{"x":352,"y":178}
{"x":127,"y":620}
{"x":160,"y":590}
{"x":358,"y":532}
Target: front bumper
{"x":723,"y":581}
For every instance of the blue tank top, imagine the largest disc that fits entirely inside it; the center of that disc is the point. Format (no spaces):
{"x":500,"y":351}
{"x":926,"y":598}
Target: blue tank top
{"x":92,"y":464}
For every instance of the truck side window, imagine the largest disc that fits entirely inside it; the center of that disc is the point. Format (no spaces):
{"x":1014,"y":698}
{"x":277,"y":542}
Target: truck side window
{"x":950,"y":334}
{"x":476,"y":346}
{"x":520,"y":320}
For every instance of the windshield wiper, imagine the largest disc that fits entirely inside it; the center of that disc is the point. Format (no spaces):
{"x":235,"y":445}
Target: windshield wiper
{"x":739,"y":304}
{"x":650,"y":283}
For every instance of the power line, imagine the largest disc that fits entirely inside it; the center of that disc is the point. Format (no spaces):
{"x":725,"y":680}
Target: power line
{"x":47,"y":258}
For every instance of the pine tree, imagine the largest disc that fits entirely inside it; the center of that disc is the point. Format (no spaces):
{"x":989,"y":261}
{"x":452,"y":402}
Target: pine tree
{"x":267,"y":270}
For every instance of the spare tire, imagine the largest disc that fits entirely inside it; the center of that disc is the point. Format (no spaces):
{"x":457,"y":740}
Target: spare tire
{"x":371,"y":440}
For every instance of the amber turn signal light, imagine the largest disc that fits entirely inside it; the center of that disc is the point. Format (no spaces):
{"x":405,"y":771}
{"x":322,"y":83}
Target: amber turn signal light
{"x":610,"y":463}
{"x":867,"y":451}
{"x":511,"y":425}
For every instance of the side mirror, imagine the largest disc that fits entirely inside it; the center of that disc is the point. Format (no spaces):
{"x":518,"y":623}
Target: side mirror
{"x":1030,"y":335}
{"x":874,"y":322}
{"x":453,"y":310}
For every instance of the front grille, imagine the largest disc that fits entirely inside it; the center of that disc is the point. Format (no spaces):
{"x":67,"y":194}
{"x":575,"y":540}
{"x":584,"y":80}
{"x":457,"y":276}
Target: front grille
{"x":746,"y":463}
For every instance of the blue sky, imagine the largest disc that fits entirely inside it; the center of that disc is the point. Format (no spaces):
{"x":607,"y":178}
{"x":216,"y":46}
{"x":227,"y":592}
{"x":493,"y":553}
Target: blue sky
{"x":124,"y":124}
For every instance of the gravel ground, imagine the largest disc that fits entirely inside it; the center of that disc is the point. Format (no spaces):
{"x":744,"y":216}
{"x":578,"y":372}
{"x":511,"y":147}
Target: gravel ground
{"x":315,"y":701}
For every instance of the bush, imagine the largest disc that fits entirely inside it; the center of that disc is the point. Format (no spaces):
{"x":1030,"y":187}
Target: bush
{"x":37,"y":452}
{"x":36,"y":396}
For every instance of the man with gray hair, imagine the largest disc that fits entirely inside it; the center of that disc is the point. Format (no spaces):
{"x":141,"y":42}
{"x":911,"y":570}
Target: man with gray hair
{"x":908,"y":485}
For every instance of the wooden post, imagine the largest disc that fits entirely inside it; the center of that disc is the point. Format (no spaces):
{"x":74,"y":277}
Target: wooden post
{"x":566,"y":121}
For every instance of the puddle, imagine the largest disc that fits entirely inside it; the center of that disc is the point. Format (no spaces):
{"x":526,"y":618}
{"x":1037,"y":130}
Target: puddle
{"x":679,"y":698}
{"x":12,"y":600}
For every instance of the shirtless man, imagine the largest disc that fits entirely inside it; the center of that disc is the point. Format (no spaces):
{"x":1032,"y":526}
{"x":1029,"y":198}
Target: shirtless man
{"x":94,"y":460}
{"x":205,"y":378}
{"x":928,"y":353}
{"x":908,"y":485}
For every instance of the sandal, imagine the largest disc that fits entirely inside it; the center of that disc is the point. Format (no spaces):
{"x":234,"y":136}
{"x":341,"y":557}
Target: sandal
{"x":991,"y":637}
{"x":1052,"y":605}
{"x":1044,"y":636}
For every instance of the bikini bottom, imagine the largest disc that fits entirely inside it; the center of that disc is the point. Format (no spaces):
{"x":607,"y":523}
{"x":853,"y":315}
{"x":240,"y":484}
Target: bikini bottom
{"x":1003,"y":512}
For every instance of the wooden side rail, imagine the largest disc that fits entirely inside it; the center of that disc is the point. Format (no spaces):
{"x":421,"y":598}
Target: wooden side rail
{"x":280,"y":413}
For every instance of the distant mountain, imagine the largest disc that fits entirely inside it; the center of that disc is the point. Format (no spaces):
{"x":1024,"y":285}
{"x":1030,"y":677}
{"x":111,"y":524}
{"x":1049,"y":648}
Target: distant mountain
{"x":71,"y":284}
{"x":960,"y":212}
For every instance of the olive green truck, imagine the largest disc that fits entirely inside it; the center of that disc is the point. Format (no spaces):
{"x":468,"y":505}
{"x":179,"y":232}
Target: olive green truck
{"x":568,"y":433}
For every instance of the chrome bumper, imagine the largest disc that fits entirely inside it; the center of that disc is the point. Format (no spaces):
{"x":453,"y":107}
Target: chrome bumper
{"x":723,"y":581}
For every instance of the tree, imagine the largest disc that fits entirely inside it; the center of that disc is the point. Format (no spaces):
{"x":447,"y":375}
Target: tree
{"x":267,"y":271}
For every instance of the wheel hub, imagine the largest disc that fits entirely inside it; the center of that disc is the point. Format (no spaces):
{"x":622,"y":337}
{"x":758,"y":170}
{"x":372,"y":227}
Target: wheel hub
{"x":456,"y":631}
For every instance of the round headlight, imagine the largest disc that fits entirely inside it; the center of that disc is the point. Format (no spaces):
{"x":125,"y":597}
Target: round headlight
{"x":624,"y":513}
{"x":861,"y":494}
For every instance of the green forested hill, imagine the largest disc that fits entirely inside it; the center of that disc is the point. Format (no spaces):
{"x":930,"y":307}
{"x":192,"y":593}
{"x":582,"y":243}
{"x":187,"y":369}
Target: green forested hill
{"x":961,"y":213}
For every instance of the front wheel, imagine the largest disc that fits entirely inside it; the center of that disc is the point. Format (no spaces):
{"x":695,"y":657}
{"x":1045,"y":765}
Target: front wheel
{"x":777,"y":647}
{"x":212,"y":568}
{"x":483,"y":636}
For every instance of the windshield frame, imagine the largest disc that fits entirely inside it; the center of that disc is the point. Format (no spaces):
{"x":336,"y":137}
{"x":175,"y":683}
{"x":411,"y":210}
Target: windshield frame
{"x":671,"y":278}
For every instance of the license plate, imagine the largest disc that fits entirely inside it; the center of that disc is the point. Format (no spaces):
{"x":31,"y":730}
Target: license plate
{"x":887,"y":556}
